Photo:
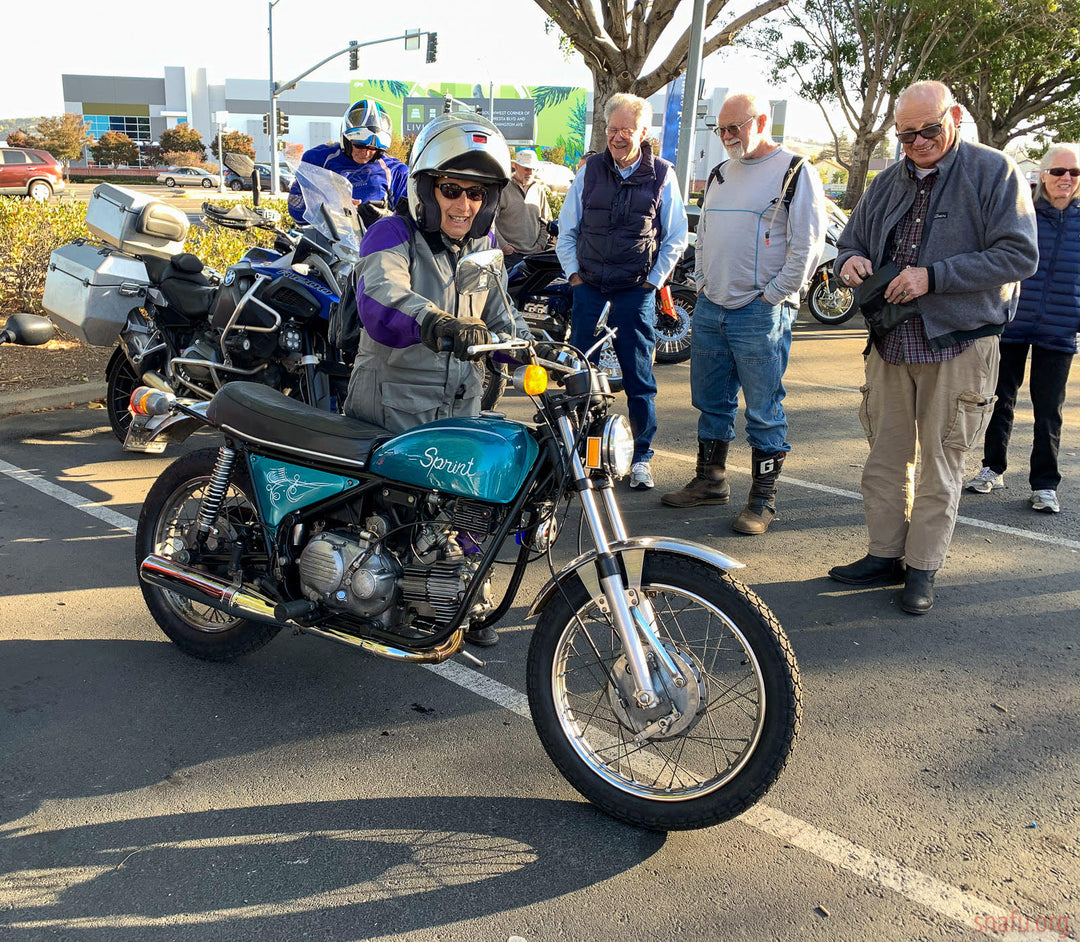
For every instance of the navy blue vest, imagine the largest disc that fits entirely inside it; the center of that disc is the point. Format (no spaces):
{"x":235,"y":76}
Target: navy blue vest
{"x":619,"y":236}
{"x":1048,"y":314}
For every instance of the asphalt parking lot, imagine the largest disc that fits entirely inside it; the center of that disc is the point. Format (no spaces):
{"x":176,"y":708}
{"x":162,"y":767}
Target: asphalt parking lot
{"x":309,"y":792}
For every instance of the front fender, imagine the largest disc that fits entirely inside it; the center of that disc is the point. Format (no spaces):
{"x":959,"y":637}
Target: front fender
{"x":632,"y":552}
{"x":151,"y":433}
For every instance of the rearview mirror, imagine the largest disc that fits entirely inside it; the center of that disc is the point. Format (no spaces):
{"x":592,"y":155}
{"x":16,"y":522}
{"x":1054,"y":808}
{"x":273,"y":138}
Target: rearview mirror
{"x":478,"y":271}
{"x":27,"y":330}
{"x":239,"y":163}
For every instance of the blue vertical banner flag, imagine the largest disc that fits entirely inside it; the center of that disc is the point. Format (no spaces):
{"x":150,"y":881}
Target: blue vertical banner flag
{"x":673,"y":107}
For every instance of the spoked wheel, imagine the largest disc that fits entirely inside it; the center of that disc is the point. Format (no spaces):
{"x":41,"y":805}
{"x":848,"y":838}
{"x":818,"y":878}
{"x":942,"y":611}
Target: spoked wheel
{"x":830,"y":301}
{"x":673,"y":336}
{"x":610,"y":362}
{"x":722,"y":732}
{"x":121,"y":380}
{"x":168,"y":527}
{"x":494,"y":384}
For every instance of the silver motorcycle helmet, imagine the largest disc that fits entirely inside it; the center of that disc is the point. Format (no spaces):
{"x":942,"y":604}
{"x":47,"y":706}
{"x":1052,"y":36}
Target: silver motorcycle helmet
{"x":366,"y":122}
{"x":462,"y":145}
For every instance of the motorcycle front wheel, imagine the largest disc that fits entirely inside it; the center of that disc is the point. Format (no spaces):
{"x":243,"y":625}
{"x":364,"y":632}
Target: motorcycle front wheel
{"x":121,"y":380}
{"x":831,"y":302}
{"x":714,"y":746}
{"x":673,"y":337}
{"x":168,"y":527}
{"x":494,"y":385}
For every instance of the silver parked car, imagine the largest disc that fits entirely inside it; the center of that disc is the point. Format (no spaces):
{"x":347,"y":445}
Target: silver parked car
{"x":187,"y":176}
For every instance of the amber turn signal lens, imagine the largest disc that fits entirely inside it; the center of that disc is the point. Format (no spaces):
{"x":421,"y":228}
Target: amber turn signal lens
{"x":536,"y":380}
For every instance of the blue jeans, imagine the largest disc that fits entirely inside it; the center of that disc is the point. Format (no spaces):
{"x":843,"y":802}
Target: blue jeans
{"x":633,"y":312}
{"x":747,"y":348}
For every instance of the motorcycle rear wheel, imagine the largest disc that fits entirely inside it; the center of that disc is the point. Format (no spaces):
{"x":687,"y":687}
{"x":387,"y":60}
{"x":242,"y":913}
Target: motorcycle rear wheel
{"x":166,"y":527}
{"x":121,"y":380}
{"x":830,"y":302}
{"x":737,"y":720}
{"x":673,"y":339}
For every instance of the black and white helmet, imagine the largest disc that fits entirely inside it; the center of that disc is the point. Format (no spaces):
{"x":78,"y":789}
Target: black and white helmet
{"x":366,"y":122}
{"x":462,"y":145}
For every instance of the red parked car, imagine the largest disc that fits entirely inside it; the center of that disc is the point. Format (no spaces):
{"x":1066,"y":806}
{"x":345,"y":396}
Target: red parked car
{"x":33,"y":173}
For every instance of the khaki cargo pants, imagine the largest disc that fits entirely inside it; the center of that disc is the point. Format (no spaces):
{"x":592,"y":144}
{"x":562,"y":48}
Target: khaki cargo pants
{"x":920,"y":419}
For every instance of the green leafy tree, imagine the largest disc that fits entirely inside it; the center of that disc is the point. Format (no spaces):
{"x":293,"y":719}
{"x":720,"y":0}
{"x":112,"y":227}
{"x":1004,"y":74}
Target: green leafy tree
{"x":233,"y":142}
{"x":616,"y":37}
{"x":1029,"y":83}
{"x":64,"y":137}
{"x":183,"y":138}
{"x":114,"y":147}
{"x":853,"y":57}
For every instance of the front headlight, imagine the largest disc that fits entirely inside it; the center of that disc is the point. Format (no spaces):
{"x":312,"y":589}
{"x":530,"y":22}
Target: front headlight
{"x":609,"y":446}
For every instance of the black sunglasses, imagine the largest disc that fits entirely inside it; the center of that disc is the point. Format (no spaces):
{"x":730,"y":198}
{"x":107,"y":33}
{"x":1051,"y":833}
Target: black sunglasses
{"x":453,"y":190}
{"x":1061,"y":171}
{"x":929,"y":132}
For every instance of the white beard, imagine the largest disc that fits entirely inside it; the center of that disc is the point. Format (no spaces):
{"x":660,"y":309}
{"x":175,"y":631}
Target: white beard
{"x":735,"y":150}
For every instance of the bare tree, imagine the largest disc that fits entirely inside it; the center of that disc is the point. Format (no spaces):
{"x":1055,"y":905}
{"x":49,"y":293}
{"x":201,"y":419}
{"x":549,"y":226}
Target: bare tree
{"x":616,"y":37}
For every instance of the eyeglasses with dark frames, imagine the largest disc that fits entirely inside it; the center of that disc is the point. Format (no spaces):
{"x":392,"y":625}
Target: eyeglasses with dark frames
{"x":453,"y":190}
{"x":1061,"y":171}
{"x":928,"y":133}
{"x":732,"y":130}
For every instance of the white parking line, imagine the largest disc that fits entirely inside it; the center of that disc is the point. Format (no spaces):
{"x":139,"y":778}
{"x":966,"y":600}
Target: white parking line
{"x":967,"y":910}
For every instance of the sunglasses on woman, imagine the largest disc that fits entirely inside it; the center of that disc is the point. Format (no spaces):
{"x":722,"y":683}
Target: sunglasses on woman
{"x":1061,"y":171}
{"x":453,"y":190}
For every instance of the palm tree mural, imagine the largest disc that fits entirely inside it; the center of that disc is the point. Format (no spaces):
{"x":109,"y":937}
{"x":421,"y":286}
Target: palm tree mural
{"x":394,"y":89}
{"x":550,"y":95}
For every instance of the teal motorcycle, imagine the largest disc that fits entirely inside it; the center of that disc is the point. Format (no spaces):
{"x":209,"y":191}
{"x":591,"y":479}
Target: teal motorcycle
{"x":663,"y":689}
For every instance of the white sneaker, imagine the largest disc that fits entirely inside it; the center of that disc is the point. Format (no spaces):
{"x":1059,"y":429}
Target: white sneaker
{"x":640,"y":475}
{"x":985,"y":481}
{"x":1046,"y":501}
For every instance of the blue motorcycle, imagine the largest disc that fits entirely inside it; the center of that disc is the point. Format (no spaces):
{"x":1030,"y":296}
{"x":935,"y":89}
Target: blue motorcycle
{"x":662,"y":688}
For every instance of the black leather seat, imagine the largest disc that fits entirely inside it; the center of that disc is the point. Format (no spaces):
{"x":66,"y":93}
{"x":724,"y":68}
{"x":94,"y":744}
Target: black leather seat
{"x":261,"y":415}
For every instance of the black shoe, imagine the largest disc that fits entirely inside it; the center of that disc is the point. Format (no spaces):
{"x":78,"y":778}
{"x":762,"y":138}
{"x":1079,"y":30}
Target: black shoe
{"x":918,"y":595}
{"x":870,"y":570}
{"x":482,"y":637}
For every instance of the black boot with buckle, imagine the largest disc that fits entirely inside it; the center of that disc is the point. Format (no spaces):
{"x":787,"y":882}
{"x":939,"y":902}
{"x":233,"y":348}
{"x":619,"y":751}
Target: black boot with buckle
{"x":709,"y":485}
{"x":761,"y":507}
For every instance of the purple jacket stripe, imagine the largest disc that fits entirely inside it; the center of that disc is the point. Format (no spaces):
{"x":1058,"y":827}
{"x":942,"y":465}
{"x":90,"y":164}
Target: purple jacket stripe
{"x":384,"y":234}
{"x":386,"y":325}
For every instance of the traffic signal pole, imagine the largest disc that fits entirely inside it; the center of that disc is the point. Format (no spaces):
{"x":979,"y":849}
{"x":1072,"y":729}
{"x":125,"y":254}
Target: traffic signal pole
{"x":276,"y":88}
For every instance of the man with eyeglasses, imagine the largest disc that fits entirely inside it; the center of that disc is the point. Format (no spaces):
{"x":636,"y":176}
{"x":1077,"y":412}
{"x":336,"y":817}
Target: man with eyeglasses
{"x":378,"y":180}
{"x":622,"y":228}
{"x":952,"y":230}
{"x":759,"y":238}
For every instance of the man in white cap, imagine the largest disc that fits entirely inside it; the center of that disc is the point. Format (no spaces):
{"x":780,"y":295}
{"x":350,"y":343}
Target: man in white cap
{"x":521,"y":225}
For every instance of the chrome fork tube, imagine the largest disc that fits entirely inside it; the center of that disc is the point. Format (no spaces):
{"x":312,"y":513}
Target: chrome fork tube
{"x":216,"y":489}
{"x":611,"y":581}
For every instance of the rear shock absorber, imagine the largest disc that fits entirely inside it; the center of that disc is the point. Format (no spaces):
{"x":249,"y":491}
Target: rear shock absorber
{"x":216,"y":489}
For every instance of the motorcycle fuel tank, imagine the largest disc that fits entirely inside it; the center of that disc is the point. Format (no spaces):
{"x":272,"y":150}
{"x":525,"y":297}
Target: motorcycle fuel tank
{"x":485,"y":458}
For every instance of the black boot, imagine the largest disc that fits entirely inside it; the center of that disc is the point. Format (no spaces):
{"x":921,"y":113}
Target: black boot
{"x":870,"y":570}
{"x":709,"y":485}
{"x":482,"y":637}
{"x":761,"y":507}
{"x":918,"y":595}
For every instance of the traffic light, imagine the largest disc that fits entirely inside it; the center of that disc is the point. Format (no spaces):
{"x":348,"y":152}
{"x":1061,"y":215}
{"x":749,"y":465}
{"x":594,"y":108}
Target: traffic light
{"x":432,"y":46}
{"x":266,"y":124}
{"x":282,"y":123}
{"x":354,"y":56}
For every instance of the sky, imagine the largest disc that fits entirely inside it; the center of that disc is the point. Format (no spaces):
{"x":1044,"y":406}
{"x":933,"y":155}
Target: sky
{"x":480,"y":41}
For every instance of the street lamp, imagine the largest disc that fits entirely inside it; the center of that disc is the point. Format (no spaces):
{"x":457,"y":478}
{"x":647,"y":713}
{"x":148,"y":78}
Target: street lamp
{"x":275,"y":187}
{"x":221,"y":118}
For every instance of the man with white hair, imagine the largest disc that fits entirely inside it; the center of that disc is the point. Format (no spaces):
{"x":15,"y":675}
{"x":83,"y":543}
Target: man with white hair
{"x":521,"y":225}
{"x":621,"y":230}
{"x":943,"y":239}
{"x":760,"y":235}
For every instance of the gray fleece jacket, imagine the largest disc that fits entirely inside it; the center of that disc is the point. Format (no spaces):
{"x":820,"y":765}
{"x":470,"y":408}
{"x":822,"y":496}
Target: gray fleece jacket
{"x":982,"y":241}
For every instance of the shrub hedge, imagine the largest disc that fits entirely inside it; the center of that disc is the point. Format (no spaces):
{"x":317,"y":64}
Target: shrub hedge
{"x":29,"y":231}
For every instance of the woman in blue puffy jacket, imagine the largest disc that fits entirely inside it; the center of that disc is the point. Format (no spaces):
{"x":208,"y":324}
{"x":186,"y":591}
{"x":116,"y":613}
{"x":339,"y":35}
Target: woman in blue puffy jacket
{"x":1047,"y":320}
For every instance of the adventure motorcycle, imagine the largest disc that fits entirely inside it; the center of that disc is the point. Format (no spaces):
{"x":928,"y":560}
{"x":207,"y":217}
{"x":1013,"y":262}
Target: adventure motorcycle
{"x":829,"y":299}
{"x":188,"y":330}
{"x":545,"y":299}
{"x":663,"y":689}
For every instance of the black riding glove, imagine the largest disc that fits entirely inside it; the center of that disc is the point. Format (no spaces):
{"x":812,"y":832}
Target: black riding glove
{"x":464,"y":332}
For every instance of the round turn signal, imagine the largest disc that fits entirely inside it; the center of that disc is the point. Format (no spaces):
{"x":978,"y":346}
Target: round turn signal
{"x":535,"y":381}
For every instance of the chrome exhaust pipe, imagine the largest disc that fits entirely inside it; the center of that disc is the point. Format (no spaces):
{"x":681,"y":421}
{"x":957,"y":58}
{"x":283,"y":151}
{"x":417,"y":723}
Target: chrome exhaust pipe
{"x":245,"y":602}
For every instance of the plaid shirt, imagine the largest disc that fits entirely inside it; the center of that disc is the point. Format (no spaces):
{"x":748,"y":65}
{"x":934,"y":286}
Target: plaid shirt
{"x":908,"y":343}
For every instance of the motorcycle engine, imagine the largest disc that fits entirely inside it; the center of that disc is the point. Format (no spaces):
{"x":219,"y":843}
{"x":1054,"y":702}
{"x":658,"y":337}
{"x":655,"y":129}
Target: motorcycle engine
{"x":202,"y":349}
{"x":355,"y":574}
